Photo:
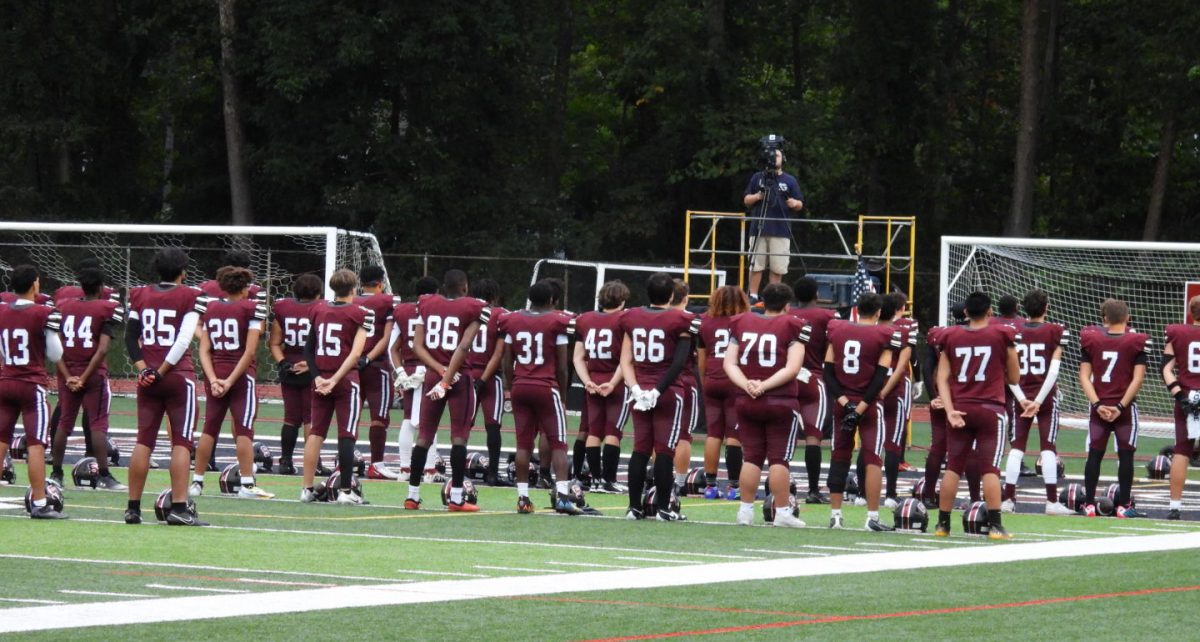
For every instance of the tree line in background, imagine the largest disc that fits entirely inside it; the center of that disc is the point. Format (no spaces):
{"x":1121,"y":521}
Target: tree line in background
{"x":587,"y":128}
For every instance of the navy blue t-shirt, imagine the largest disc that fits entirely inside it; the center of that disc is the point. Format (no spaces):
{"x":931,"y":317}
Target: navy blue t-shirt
{"x":778,"y":214}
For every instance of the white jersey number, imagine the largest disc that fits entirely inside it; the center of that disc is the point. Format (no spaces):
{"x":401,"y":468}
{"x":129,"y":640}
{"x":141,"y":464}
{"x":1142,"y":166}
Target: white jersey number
{"x":967,"y":353}
{"x":74,"y":328}
{"x":649,"y":346}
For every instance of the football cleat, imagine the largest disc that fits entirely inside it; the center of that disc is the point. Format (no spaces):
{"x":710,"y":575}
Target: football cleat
{"x":196,"y":489}
{"x":565,"y":506}
{"x":816,"y":498}
{"x":524,"y":505}
{"x":56,"y":479}
{"x":412,"y":504}
{"x":860,"y":501}
{"x":460,"y":507}
{"x":835,"y":521}
{"x":1008,"y":506}
{"x":347,"y":497}
{"x":494,"y":479}
{"x":890,"y":502}
{"x":942,"y":530}
{"x":877,"y":526}
{"x":634,"y":514}
{"x":286,"y":467}
{"x":322,"y":471}
{"x":998,"y":532}
{"x":1129,"y":512}
{"x":254,"y":492}
{"x":733,"y":494}
{"x":185,"y":518}
{"x":1056,"y":508}
{"x":590,"y":510}
{"x":308,"y":495}
{"x":906,"y":467}
{"x":712,"y":492}
{"x":1088,"y":510}
{"x":544,"y":483}
{"x":615,"y":488}
{"x":670,"y":516}
{"x":1173,"y":515}
{"x":133,"y":517}
{"x":45,"y":512}
{"x":108,"y":482}
{"x":745,"y":517}
{"x":787,"y":521}
{"x":378,"y":470}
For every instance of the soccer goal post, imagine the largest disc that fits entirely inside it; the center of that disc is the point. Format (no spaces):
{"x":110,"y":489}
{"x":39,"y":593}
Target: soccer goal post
{"x":1079,"y":275}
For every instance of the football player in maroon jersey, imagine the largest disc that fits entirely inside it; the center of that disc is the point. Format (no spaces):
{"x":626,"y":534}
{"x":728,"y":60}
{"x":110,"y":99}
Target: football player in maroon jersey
{"x":895,"y":417}
{"x":656,"y":346}
{"x":535,"y":362}
{"x":335,"y":343}
{"x":409,"y":374}
{"x":28,"y":339}
{"x":1182,"y":355}
{"x":374,"y":371}
{"x":814,"y":400}
{"x":913,"y":385}
{"x":1040,"y":354}
{"x":937,"y":417}
{"x":597,"y":361}
{"x":1112,"y":368}
{"x":483,"y":364}
{"x":857,"y":362}
{"x":89,"y":323}
{"x":691,"y":398}
{"x":976,"y":363}
{"x":158,"y":337}
{"x":290,"y":326}
{"x":233,"y":258}
{"x":448,"y":324}
{"x":720,"y":394}
{"x":229,"y":335}
{"x":764,"y":356}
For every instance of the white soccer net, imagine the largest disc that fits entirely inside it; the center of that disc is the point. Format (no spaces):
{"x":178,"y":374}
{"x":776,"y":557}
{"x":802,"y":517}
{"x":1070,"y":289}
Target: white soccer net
{"x":277,"y":256}
{"x":1078,"y":276}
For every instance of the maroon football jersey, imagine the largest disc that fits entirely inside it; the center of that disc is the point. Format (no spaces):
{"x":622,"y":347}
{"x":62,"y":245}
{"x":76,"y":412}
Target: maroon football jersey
{"x":381,"y":306}
{"x":979,"y":362}
{"x":445,"y":320}
{"x":336,"y":324}
{"x":763,"y":344}
{"x":1038,"y":343}
{"x":23,"y":341}
{"x":818,"y":319}
{"x":83,"y":321}
{"x":295,"y":322}
{"x":405,"y":320}
{"x":715,"y":335}
{"x":41,"y":299}
{"x":76,"y":292}
{"x":1015,"y":322}
{"x":653,"y":334}
{"x":533,"y":338}
{"x":213,"y":290}
{"x":856,"y":352}
{"x":934,"y":338}
{"x":1113,"y":357}
{"x":1185,"y":341}
{"x":602,"y":339}
{"x":228,"y":323}
{"x":484,"y":344}
{"x":161,"y":309}
{"x":908,"y":339}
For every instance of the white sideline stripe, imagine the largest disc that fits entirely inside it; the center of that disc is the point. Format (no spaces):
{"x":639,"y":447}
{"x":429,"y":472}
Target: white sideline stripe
{"x":943,"y":540}
{"x":778,"y":552}
{"x":518,"y":569}
{"x":172,"y":587}
{"x":105,"y":593}
{"x":1094,"y":533}
{"x":1144,"y":530}
{"x":175,"y":609}
{"x":28,"y":601}
{"x":831,"y":548}
{"x":909,"y":547}
{"x":198,"y":567}
{"x":589,"y":565}
{"x":656,"y":559}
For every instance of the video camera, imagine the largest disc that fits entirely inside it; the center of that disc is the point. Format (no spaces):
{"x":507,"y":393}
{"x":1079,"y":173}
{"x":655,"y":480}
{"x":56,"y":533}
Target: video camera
{"x":767,"y":146}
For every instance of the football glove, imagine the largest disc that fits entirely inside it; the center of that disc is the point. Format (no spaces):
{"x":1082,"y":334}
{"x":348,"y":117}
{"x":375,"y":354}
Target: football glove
{"x":148,"y":377}
{"x":647,"y":400}
{"x":804,"y":376}
{"x":918,"y":389}
{"x":285,"y":366}
{"x":850,"y":418}
{"x":415,"y":379}
{"x":362,"y":364}
{"x":1193,"y":403}
{"x":439,"y":391}
{"x":479,"y":388}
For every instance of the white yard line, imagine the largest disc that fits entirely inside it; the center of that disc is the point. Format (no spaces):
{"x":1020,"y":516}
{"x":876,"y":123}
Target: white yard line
{"x":1144,"y":530}
{"x":1092,"y":533}
{"x":172,"y":587}
{"x":217,"y":606}
{"x":831,"y":548}
{"x":904,"y":546}
{"x":205,"y":567}
{"x":791,"y":553}
{"x":657,"y":559}
{"x":28,"y":601}
{"x":589,"y":565}
{"x":518,"y":569}
{"x":105,"y":593}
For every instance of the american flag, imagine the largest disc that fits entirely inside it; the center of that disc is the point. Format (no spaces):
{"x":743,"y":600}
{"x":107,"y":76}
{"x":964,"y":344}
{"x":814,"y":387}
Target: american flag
{"x":862,"y":285}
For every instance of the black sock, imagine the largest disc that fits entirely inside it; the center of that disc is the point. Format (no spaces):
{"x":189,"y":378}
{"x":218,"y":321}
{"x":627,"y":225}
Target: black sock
{"x":860,"y":467}
{"x":577,"y":456}
{"x":287,"y":441}
{"x":55,"y":415}
{"x":611,"y":456}
{"x":974,"y":480}
{"x":944,"y":518}
{"x":85,"y":423}
{"x":378,"y":440}
{"x":1091,"y":473}
{"x":57,"y":469}
{"x":458,"y":465}
{"x":891,"y":467}
{"x":664,"y":479}
{"x":812,"y":463}
{"x":733,"y":464}
{"x":593,"y":462}
{"x":710,"y":479}
{"x":994,"y":518}
{"x":493,"y":446}
{"x":1124,"y":476}
{"x":178,"y":507}
{"x":346,"y":460}
{"x":544,"y":472}
{"x":104,"y":471}
{"x":419,"y":455}
{"x":134,"y":505}
{"x":637,"y":478}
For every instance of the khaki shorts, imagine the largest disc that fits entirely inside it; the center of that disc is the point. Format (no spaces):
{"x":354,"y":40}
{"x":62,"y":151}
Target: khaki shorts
{"x":772,"y":248}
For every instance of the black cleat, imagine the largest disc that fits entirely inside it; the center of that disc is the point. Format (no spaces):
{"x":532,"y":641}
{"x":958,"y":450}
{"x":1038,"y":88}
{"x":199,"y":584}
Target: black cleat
{"x":1173,"y":515}
{"x":56,"y":478}
{"x":494,"y":479}
{"x":878,"y":526}
{"x":108,"y":482}
{"x":323,"y":471}
{"x":286,"y":467}
{"x":185,"y":518}
{"x":133,"y":516}
{"x":670,"y":516}
{"x":46,"y":512}
{"x":816,"y":498}
{"x":633,"y":514}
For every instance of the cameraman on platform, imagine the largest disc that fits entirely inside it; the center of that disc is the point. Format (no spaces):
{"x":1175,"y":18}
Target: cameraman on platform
{"x":769,"y":229}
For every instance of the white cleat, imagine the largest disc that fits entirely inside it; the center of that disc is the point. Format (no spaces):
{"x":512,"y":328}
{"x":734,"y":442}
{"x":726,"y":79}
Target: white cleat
{"x":890,"y":503}
{"x":348,"y":498}
{"x":382,"y":471}
{"x":307,"y":495}
{"x":1008,"y":506}
{"x":860,"y":501}
{"x":745,"y":517}
{"x":1056,"y":508}
{"x":254,"y":492}
{"x":835,"y":522}
{"x":788,"y":521}
{"x":196,"y":489}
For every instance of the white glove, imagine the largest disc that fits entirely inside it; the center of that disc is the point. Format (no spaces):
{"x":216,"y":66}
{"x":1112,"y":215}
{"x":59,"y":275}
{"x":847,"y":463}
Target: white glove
{"x":804,"y":376}
{"x":646,"y":400}
{"x":438,"y":391}
{"x":1193,"y":422}
{"x":399,"y":376}
{"x":414,"y":380}
{"x":918,"y":389}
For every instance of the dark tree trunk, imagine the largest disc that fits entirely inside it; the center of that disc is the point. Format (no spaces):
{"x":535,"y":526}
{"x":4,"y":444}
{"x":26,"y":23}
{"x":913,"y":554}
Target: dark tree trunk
{"x":563,"y":43}
{"x":1020,"y":218}
{"x":1158,"y":189}
{"x":239,"y":185}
